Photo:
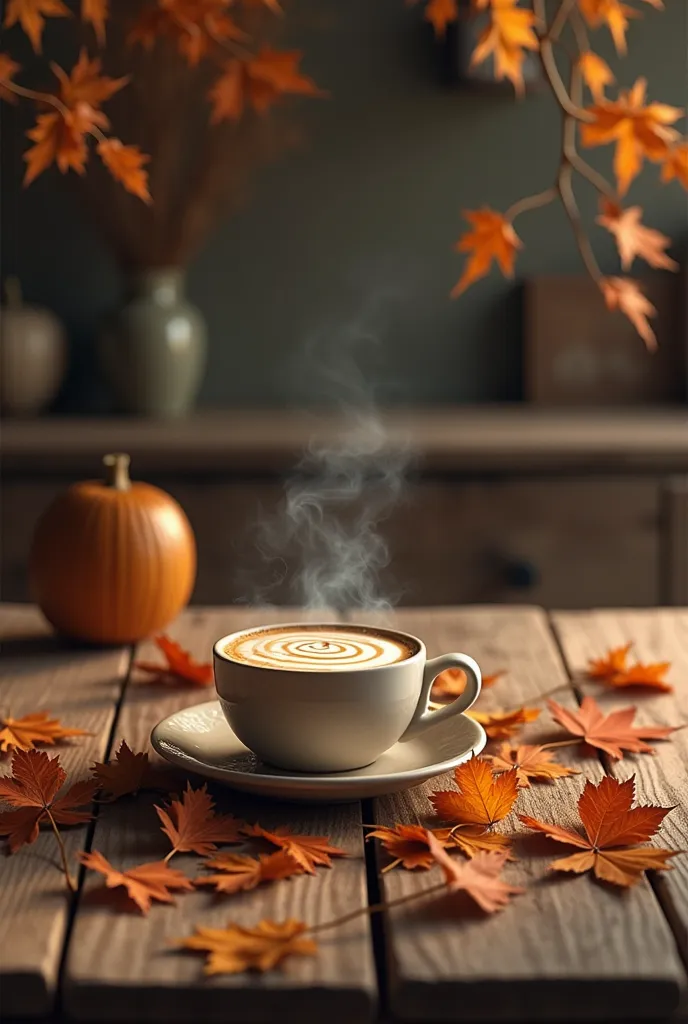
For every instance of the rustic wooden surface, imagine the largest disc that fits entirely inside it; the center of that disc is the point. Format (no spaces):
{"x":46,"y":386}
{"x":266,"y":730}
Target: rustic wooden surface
{"x":569,"y":949}
{"x":81,"y":687}
{"x":104,"y":981}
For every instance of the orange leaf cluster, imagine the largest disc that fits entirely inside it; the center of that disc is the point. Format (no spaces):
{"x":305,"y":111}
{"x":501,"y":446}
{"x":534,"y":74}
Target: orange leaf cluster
{"x":612,"y":670}
{"x":502,"y":725}
{"x":611,"y":733}
{"x":530,"y":762}
{"x":195,"y":27}
{"x":234,"y":949}
{"x":179,"y":666}
{"x":452,"y":682}
{"x":613,"y":831}
{"x":483,"y":798}
{"x":258,"y":82}
{"x":143,"y":883}
{"x":26,"y":732}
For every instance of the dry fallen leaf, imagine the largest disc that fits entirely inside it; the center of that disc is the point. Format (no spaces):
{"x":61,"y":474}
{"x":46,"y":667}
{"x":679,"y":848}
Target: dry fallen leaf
{"x":492,"y":238}
{"x":452,"y":682}
{"x":609,"y":664}
{"x":408,"y":844}
{"x":307,"y":851}
{"x":509,"y":34}
{"x":634,"y":238}
{"x":473,"y":839}
{"x":240,"y":872}
{"x":649,"y":676}
{"x":143,"y":883}
{"x":482,"y":798}
{"x":613,"y":830}
{"x":31,"y":15}
{"x":179,"y":667}
{"x":126,"y":773}
{"x":596,"y":73}
{"x":502,"y":725}
{"x":478,"y":877}
{"x":26,"y":732}
{"x":234,"y":949}
{"x":192,"y":826}
{"x":32,"y":791}
{"x":626,"y":295}
{"x":612,"y":733}
{"x":530,"y":762}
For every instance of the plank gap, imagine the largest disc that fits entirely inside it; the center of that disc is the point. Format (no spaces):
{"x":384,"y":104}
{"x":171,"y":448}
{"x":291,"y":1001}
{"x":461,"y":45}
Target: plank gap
{"x":377,"y":921}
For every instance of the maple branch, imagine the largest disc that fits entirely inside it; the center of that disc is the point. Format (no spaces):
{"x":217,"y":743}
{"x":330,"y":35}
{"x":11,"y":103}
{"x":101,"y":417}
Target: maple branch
{"x":593,"y":176}
{"x":549,"y":64}
{"x":32,"y":94}
{"x":579,"y":30}
{"x":71,"y":884}
{"x":375,"y":908}
{"x":531,"y":203}
{"x":236,"y":49}
{"x":560,"y":18}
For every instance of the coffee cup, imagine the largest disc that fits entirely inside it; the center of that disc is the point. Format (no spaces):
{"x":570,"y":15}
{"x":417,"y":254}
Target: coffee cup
{"x":329,"y":697}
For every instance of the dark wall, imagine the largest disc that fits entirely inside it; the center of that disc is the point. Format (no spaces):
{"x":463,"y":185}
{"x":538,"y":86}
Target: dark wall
{"x":366,"y":211}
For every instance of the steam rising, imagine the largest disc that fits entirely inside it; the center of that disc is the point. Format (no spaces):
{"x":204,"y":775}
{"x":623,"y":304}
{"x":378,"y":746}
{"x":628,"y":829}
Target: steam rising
{"x":326,"y":539}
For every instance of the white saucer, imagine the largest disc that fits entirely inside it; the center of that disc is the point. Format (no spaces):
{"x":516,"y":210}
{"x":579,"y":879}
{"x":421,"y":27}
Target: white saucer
{"x":199,"y":740}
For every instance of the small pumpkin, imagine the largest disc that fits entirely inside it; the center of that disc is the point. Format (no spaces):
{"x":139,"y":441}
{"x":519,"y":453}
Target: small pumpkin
{"x":112,"y":561}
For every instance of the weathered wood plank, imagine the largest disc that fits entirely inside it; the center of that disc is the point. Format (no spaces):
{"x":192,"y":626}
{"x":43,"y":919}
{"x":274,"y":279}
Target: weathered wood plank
{"x":658,"y":635}
{"x":568,"y":949}
{"x":81,"y":687}
{"x":121,"y":968}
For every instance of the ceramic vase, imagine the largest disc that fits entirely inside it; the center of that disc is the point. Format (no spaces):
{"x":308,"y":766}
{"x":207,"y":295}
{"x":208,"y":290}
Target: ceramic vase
{"x":33,"y":356}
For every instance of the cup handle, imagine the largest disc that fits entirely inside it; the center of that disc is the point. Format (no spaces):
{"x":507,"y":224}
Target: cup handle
{"x":422,"y":716}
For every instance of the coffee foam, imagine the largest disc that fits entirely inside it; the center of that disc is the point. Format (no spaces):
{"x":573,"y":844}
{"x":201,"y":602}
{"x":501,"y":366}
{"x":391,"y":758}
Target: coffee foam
{"x":320,"y":649}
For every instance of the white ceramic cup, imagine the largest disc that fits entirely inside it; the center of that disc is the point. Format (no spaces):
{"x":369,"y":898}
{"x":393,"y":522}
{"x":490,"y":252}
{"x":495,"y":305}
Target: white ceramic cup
{"x":332,"y":721}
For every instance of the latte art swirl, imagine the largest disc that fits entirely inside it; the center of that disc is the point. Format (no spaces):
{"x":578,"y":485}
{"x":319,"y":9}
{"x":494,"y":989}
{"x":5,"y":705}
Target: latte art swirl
{"x":318,"y":650}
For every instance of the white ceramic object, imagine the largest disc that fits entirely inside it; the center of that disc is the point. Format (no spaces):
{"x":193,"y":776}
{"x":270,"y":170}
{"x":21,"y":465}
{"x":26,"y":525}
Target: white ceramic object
{"x":198,"y":739}
{"x":337,"y":718}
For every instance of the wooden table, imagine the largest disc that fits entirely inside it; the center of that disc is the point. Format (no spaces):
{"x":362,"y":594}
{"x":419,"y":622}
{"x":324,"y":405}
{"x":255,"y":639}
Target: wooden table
{"x":570,"y":949}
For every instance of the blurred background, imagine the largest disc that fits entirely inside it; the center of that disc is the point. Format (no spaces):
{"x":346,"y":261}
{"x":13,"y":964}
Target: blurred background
{"x":518,"y":444}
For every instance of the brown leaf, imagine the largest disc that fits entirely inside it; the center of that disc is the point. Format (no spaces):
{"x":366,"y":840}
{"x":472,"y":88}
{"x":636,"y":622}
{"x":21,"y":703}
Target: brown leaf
{"x":452,"y":682}
{"x":596,"y":73}
{"x":624,"y":294}
{"x":482,"y":797}
{"x":126,"y":773}
{"x":408,"y":844}
{"x":611,"y":826}
{"x":235,"y":949}
{"x":143,"y":883}
{"x":33,"y":790}
{"x":195,"y":27}
{"x":478,"y":877}
{"x":307,"y":851}
{"x":192,"y":826}
{"x":530,"y":762}
{"x":239,"y":873}
{"x":26,"y":732}
{"x":635,"y":239}
{"x":179,"y":667}
{"x":31,"y":15}
{"x":502,"y":725}
{"x":125,"y":164}
{"x":612,"y":733}
{"x":8,"y":69}
{"x":609,"y":664}
{"x":492,"y":238}
{"x":97,"y":13}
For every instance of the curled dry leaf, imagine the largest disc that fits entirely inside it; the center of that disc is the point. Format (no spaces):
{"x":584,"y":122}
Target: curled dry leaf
{"x":510,"y":32}
{"x":633,"y":238}
{"x":27,"y":732}
{"x":530,"y":762}
{"x":613,"y":830}
{"x":143,"y":883}
{"x":179,"y":665}
{"x":612,"y":733}
{"x":239,"y":873}
{"x":452,"y":682}
{"x":31,"y":15}
{"x":626,"y":295}
{"x":235,"y":949}
{"x":492,"y":238}
{"x":307,"y":851}
{"x":192,"y":826}
{"x":32,"y":790}
{"x":126,"y":773}
{"x":482,"y":798}
{"x":596,"y":73}
{"x":502,"y":725}
{"x":609,"y":664}
{"x":478,"y":877}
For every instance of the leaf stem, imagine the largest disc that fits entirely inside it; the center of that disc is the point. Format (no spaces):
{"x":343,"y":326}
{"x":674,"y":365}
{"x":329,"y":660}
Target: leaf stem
{"x":71,"y":884}
{"x":375,"y":908}
{"x":53,"y":101}
{"x":560,"y":18}
{"x":531,"y":203}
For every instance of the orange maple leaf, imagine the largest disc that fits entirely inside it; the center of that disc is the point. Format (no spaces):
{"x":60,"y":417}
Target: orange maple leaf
{"x":25,"y":732}
{"x":96,"y":12}
{"x":180,"y":666}
{"x":530,"y":762}
{"x":613,"y":830}
{"x":307,"y":851}
{"x":676,"y":164}
{"x":609,"y":664}
{"x":143,"y":883}
{"x":8,"y":69}
{"x":126,"y":773}
{"x":259,"y":82}
{"x":85,"y":83}
{"x":615,"y":14}
{"x":60,"y":138}
{"x":492,"y":238}
{"x":192,"y":825}
{"x":482,"y":798}
{"x":441,"y":13}
{"x":125,"y":164}
{"x":626,"y":295}
{"x":235,"y":949}
{"x":633,"y":238}
{"x":509,"y":33}
{"x":502,"y":725}
{"x":596,"y":73}
{"x":452,"y":682}
{"x":31,"y":15}
{"x":612,"y":733}
{"x":478,"y":877}
{"x":196,"y":27}
{"x":408,"y":844}
{"x":639,"y":130}
{"x":32,"y":790}
{"x":239,"y":873}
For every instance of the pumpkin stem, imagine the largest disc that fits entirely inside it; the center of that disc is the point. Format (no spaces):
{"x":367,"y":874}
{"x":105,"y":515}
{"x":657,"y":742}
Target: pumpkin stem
{"x":117,"y":471}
